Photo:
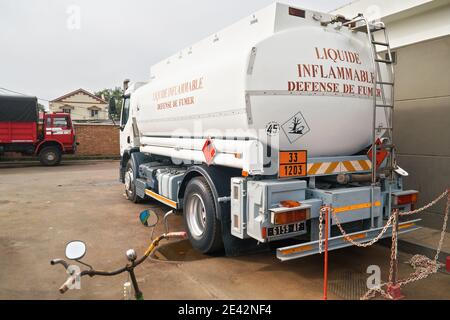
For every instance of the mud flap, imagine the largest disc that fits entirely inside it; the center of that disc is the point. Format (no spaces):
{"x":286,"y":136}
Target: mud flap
{"x":234,"y":246}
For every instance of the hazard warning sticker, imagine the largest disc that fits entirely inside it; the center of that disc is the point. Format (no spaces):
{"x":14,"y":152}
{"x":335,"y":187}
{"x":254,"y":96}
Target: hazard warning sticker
{"x":296,"y":127}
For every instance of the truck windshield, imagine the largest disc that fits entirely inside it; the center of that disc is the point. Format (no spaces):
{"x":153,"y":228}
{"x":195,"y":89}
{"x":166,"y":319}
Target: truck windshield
{"x":60,"y":123}
{"x":125,"y":111}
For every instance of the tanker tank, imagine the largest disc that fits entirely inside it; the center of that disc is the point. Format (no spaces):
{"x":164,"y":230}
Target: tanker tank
{"x":276,"y":77}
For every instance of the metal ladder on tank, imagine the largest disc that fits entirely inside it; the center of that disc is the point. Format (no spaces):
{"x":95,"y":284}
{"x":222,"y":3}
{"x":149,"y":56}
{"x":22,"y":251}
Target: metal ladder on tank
{"x":379,"y":83}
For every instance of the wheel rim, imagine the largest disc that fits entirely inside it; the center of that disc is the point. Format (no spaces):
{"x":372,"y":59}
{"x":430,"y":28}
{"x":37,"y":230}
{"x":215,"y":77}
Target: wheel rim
{"x":196,"y":216}
{"x":51,"y":156}
{"x":129,"y":180}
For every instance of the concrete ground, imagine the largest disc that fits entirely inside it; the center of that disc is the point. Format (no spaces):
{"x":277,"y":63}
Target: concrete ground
{"x":41,"y":209}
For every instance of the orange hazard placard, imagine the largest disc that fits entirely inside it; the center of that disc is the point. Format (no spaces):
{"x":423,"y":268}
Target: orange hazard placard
{"x":381,"y":153}
{"x":209,"y":151}
{"x":292,"y":164}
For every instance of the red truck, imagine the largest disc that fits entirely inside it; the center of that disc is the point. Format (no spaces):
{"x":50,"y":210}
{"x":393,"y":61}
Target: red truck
{"x":24,"y":130}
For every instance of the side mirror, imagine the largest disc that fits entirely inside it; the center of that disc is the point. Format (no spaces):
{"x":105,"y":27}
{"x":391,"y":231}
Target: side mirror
{"x":112,"y":110}
{"x":75,"y":250}
{"x":148,"y":218}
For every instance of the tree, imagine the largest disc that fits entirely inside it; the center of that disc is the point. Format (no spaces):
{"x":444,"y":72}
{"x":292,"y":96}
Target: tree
{"x":112,"y":106}
{"x":41,"y":107}
{"x":116,"y":94}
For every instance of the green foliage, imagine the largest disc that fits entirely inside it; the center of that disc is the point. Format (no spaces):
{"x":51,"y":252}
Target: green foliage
{"x":116,"y":94}
{"x":112,"y":106}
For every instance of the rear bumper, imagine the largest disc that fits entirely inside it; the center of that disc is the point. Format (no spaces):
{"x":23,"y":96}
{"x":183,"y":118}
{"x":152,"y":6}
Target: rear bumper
{"x":310,"y":248}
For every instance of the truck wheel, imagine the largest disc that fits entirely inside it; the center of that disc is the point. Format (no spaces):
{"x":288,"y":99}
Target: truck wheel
{"x":130,"y":188}
{"x":50,"y":156}
{"x":203,"y":228}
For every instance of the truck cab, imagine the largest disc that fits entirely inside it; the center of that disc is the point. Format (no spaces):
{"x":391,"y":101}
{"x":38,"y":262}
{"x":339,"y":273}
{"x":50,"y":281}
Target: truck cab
{"x":129,"y":135}
{"x":56,"y":137}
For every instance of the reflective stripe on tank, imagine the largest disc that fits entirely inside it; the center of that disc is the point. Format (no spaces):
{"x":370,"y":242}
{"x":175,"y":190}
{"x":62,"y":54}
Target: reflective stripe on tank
{"x":328,"y":168}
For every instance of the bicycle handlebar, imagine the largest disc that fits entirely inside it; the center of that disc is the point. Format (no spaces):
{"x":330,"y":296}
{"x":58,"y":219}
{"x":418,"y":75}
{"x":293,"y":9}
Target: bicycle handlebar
{"x":59,"y":261}
{"x":176,"y":235}
{"x":71,"y":279}
{"x":66,"y":285}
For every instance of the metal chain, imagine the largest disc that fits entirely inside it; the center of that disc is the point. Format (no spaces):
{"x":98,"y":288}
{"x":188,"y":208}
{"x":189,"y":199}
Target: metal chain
{"x":389,"y":222}
{"x":432,"y":203}
{"x":444,"y":227}
{"x":371,"y":293}
{"x":393,"y":246}
{"x":322,"y":210}
{"x":422,"y":265}
{"x":361,"y":245}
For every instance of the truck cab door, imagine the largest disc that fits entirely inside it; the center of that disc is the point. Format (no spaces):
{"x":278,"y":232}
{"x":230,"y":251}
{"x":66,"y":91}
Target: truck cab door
{"x":126,"y":126}
{"x":59,"y":128}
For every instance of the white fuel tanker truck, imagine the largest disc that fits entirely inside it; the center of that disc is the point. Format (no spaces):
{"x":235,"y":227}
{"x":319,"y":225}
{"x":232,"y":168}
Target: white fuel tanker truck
{"x":250,"y":132}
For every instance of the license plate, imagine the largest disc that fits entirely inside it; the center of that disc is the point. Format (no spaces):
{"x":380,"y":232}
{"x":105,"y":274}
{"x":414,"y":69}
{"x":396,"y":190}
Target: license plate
{"x":286,"y":228}
{"x":292,"y":164}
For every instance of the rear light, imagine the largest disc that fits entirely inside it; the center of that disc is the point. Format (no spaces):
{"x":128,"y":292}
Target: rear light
{"x":410,"y":198}
{"x":296,"y":12}
{"x":287,"y":217}
{"x":290,"y":203}
{"x":264,"y":233}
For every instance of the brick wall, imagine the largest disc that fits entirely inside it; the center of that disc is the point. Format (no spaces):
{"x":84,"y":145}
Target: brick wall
{"x":97,"y":140}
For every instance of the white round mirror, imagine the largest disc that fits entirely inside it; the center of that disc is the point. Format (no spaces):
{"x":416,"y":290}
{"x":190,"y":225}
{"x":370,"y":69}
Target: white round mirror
{"x":75,"y":250}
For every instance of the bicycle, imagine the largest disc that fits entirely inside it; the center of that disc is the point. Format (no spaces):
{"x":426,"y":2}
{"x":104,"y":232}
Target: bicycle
{"x":76,"y":250}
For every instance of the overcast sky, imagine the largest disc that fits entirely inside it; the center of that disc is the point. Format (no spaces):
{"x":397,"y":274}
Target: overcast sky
{"x":51,"y":47}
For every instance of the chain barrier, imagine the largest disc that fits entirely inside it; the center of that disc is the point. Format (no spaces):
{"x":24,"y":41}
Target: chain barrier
{"x":322,"y":210}
{"x":431,"y":204}
{"x":394,"y":245}
{"x":346,"y":236}
{"x":422,"y":265}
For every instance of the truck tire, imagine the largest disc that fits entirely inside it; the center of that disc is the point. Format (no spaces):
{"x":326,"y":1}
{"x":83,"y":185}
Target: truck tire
{"x":50,"y":156}
{"x":199,"y":211}
{"x":130,"y":187}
